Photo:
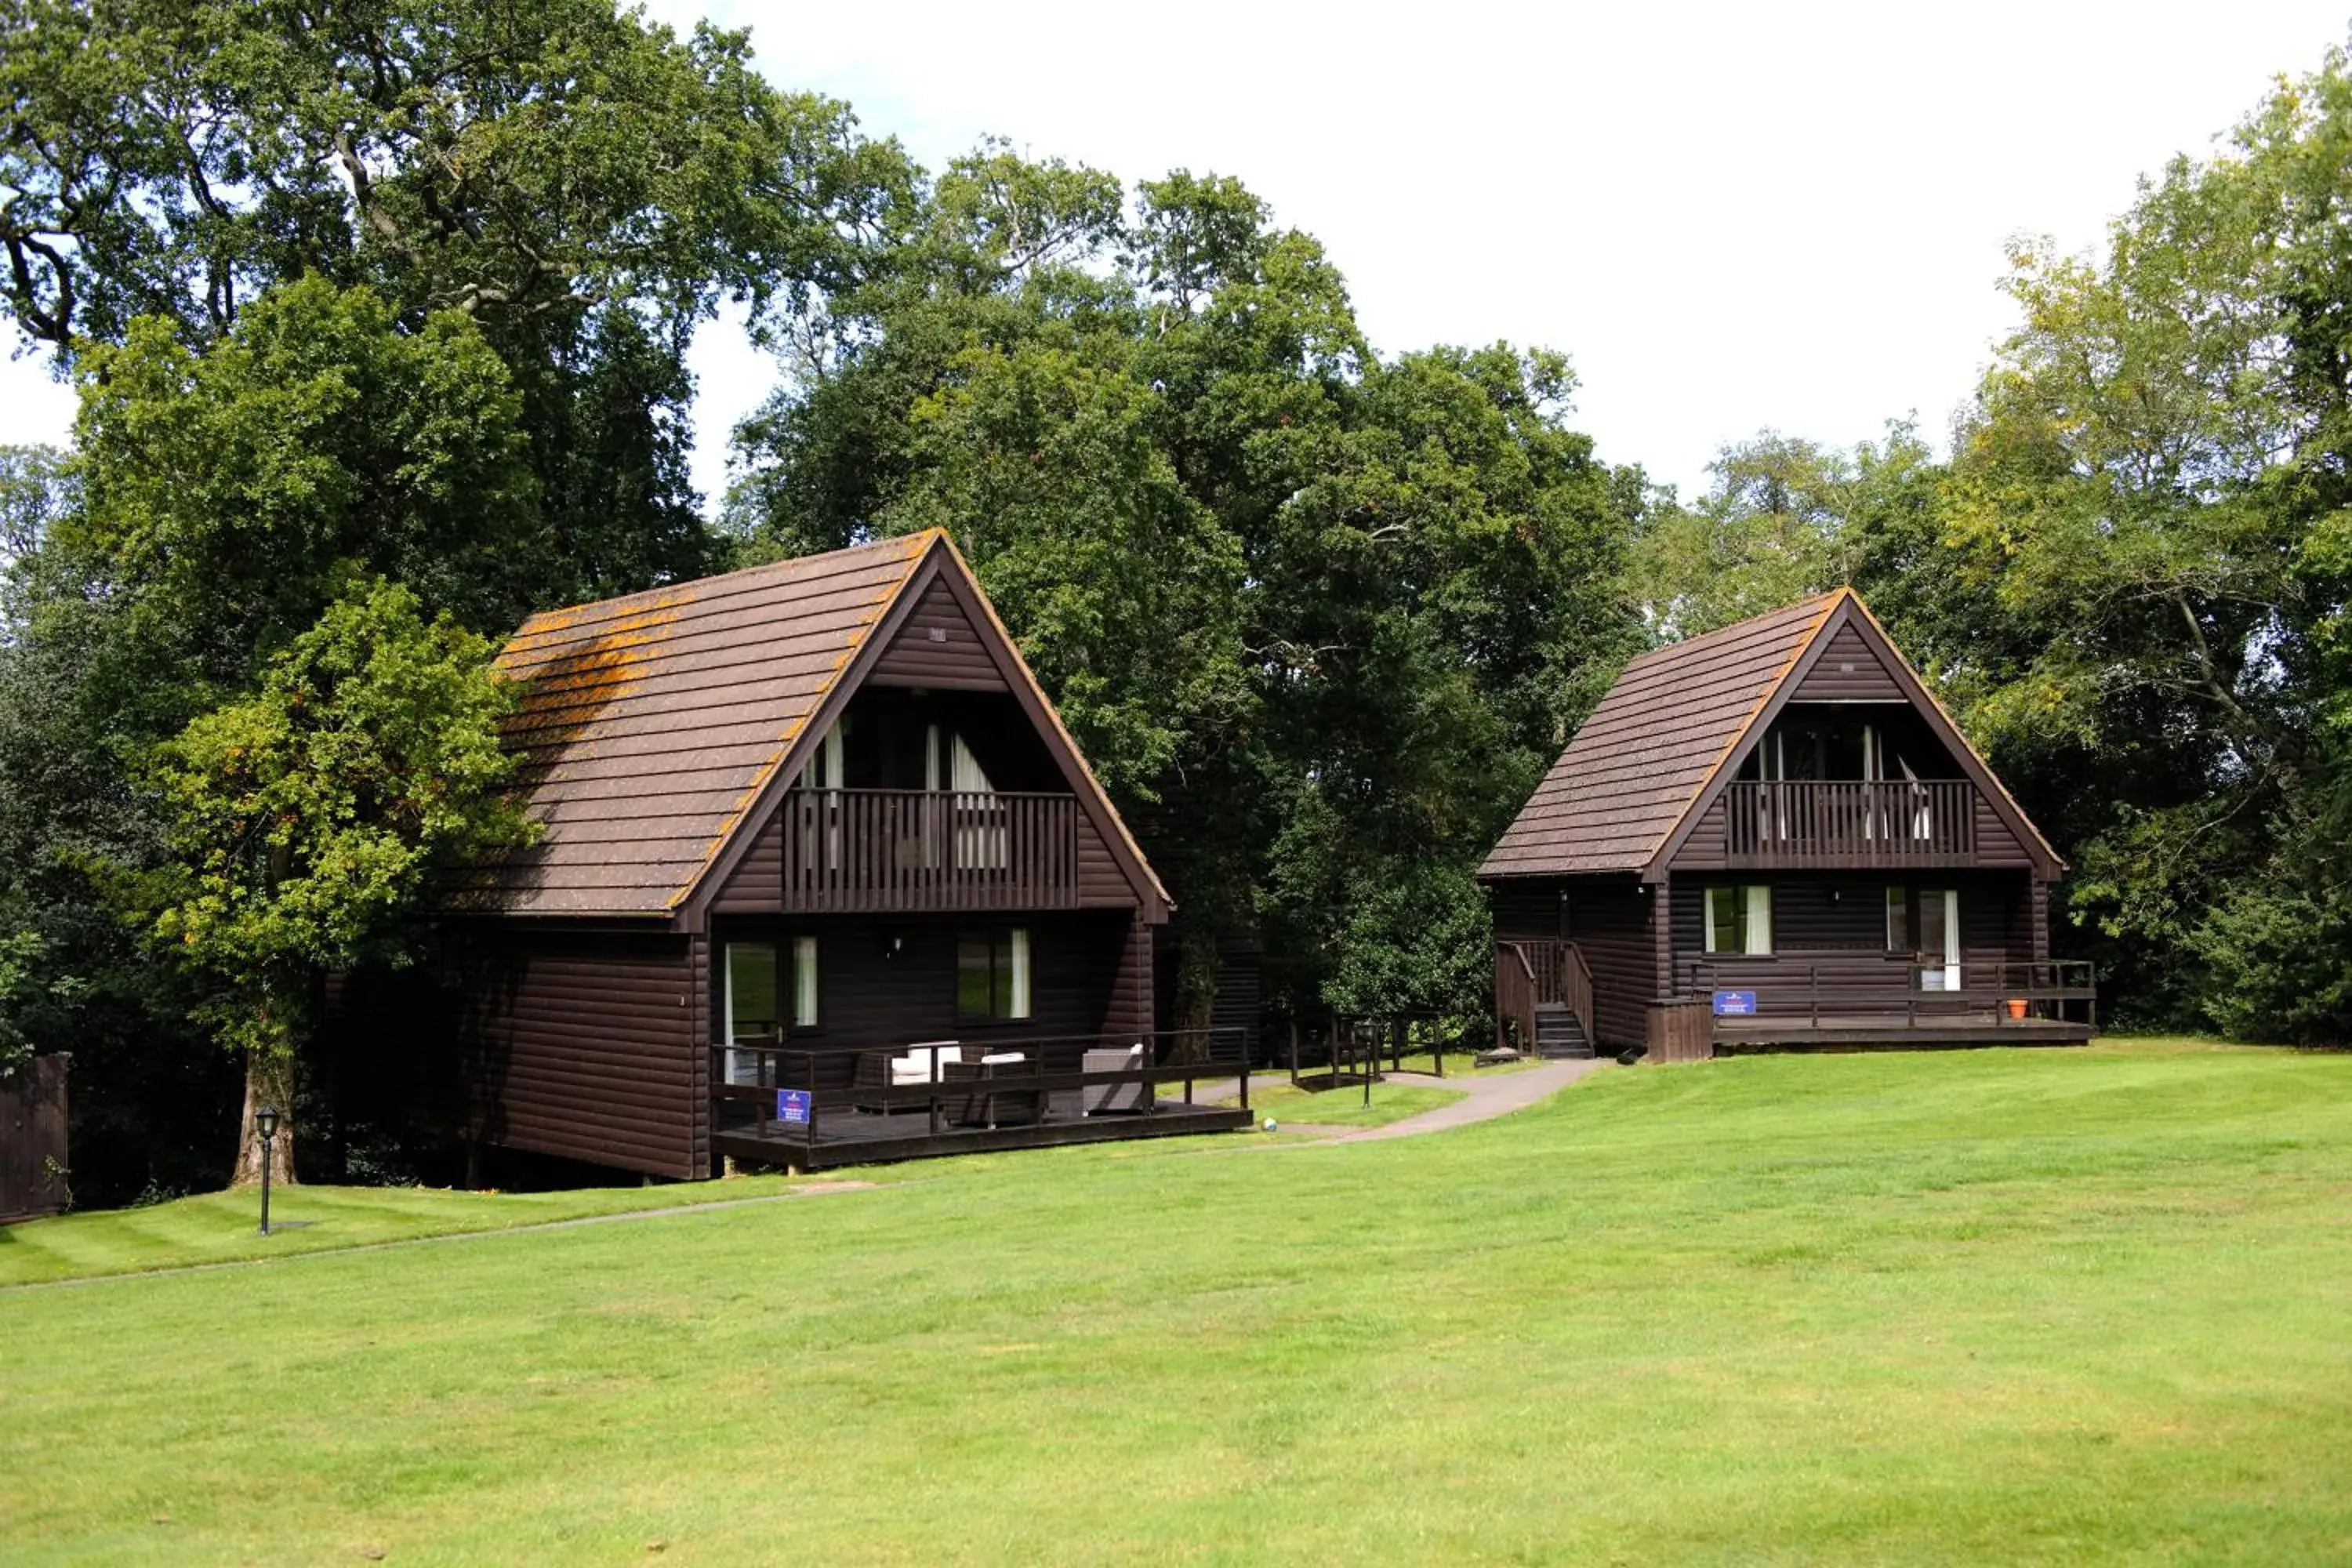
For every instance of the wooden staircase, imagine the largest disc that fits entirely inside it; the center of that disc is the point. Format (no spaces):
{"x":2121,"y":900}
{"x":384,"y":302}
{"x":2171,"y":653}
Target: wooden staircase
{"x":1559,"y":1037}
{"x":1543,"y":999}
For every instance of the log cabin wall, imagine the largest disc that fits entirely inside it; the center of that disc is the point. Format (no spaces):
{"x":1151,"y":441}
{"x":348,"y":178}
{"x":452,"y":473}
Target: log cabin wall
{"x":589,"y":1045}
{"x":890,"y":981}
{"x":1837,"y":923}
{"x":1608,"y":917}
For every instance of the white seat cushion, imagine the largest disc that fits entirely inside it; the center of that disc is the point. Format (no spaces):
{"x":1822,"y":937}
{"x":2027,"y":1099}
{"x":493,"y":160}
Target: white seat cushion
{"x":1000,"y":1058}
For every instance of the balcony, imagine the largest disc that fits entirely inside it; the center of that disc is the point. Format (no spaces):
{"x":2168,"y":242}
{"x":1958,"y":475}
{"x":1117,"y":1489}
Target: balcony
{"x":1841,"y":823}
{"x":892,"y":851}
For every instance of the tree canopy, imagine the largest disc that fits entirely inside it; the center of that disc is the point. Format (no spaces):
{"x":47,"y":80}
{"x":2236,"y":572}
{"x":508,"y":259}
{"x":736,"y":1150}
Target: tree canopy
{"x":1320,"y":617}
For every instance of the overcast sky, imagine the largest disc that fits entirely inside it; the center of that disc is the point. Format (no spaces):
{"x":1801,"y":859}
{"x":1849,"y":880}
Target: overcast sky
{"x":1729,"y":217}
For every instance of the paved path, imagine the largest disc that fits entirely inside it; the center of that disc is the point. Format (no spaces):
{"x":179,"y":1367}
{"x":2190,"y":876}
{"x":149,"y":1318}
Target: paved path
{"x":1484,"y":1098}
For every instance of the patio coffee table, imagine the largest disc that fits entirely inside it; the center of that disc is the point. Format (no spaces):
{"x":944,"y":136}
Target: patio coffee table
{"x":988,"y":1110}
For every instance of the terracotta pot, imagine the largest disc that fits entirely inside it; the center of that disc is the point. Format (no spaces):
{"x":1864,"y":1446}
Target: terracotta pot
{"x":2017,"y":1007}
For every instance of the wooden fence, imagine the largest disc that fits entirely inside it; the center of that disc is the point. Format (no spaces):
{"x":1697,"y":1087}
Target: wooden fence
{"x":33,"y":1139}
{"x":1681,"y":1031}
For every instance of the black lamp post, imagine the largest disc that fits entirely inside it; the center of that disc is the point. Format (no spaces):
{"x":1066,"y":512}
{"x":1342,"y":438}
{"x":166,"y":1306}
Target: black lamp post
{"x":265,"y":1122}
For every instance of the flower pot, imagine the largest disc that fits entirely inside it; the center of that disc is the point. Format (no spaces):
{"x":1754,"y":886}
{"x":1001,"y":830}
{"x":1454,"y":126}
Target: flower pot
{"x":2017,"y":1008}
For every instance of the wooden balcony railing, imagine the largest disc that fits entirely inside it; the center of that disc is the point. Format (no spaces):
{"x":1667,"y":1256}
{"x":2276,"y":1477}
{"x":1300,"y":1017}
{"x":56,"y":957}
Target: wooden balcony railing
{"x":887,"y":851}
{"x":1850,"y":823}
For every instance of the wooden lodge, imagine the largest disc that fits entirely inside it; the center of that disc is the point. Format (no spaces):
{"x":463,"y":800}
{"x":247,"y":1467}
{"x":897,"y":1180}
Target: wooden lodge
{"x":1774,"y":837}
{"x":823,"y":880}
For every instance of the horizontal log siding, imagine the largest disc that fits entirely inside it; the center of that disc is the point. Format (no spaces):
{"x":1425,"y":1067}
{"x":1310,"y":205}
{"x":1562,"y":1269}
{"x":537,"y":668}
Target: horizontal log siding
{"x":587,"y":1046}
{"x":1079,"y":964}
{"x":1845,"y":937}
{"x":1526,"y":910}
{"x":1847,"y":670}
{"x":958,"y":662}
{"x":1609,"y":921}
{"x":756,"y":884}
{"x":1126,"y":1014}
{"x":1996,"y":845}
{"x":704,"y":1030}
{"x":1102,"y":885}
{"x":1707,"y":848}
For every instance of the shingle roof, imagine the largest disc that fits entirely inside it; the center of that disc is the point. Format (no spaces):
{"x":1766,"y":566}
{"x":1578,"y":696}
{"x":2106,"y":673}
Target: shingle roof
{"x":650,"y":723}
{"x":1641,"y":759}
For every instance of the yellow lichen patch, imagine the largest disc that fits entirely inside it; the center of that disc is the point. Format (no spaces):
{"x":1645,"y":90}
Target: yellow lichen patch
{"x":568,"y":686}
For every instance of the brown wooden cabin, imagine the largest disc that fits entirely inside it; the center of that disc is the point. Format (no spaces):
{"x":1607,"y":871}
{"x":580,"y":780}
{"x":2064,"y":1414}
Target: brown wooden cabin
{"x":1773,"y":836}
{"x":799,"y":820}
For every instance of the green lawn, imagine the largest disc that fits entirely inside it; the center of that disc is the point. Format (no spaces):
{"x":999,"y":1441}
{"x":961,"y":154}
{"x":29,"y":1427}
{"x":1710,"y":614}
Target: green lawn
{"x":1343,"y":1106}
{"x":222,"y":1227}
{"x":1974,"y":1307}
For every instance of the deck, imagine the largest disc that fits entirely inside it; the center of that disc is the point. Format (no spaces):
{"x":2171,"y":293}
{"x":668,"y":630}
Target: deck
{"x":1865,"y":1031}
{"x":815,"y":1109}
{"x":863,"y":1138}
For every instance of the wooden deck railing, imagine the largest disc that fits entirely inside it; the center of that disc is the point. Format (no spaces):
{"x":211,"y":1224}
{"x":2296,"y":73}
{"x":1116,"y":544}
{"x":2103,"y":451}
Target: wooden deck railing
{"x":2049,"y":988}
{"x":1052,"y":1069}
{"x":1806,"y":822}
{"x":887,"y":851}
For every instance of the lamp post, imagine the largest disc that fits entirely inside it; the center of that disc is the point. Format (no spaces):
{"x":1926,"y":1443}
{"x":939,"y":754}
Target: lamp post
{"x":265,"y":1122}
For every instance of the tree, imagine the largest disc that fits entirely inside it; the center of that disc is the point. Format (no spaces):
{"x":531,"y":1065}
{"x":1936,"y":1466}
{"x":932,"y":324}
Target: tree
{"x":1315,"y":616}
{"x":2146,"y":578}
{"x":224,"y":490}
{"x":36,"y":491}
{"x":306,"y":822}
{"x":583,"y":185}
{"x":221,"y":499}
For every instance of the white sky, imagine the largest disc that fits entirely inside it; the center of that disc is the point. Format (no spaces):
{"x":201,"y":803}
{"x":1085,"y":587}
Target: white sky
{"x":1729,"y":216}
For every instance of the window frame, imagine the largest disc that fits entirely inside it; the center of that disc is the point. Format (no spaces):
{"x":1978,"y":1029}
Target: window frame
{"x":1011,"y":975}
{"x":788,"y":950}
{"x":1750,"y":923}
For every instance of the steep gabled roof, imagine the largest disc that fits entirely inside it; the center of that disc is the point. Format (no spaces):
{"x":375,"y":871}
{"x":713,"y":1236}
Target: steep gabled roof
{"x":1671,"y":730}
{"x":654,"y":727}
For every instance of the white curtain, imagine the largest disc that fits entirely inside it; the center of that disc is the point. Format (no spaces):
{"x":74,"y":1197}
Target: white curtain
{"x":1020,"y":992}
{"x":980,"y":837}
{"x":803,"y":981}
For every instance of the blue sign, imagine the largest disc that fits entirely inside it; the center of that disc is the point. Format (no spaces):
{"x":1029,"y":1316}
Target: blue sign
{"x":792,"y":1106}
{"x":1735,"y":1003}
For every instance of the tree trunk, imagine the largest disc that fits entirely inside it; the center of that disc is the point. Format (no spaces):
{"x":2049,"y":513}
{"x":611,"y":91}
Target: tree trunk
{"x":268,"y":1080}
{"x":1195,"y":1001}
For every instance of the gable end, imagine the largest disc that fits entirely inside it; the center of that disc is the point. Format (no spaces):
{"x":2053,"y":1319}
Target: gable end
{"x":1848,"y":670}
{"x":938,"y":648}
